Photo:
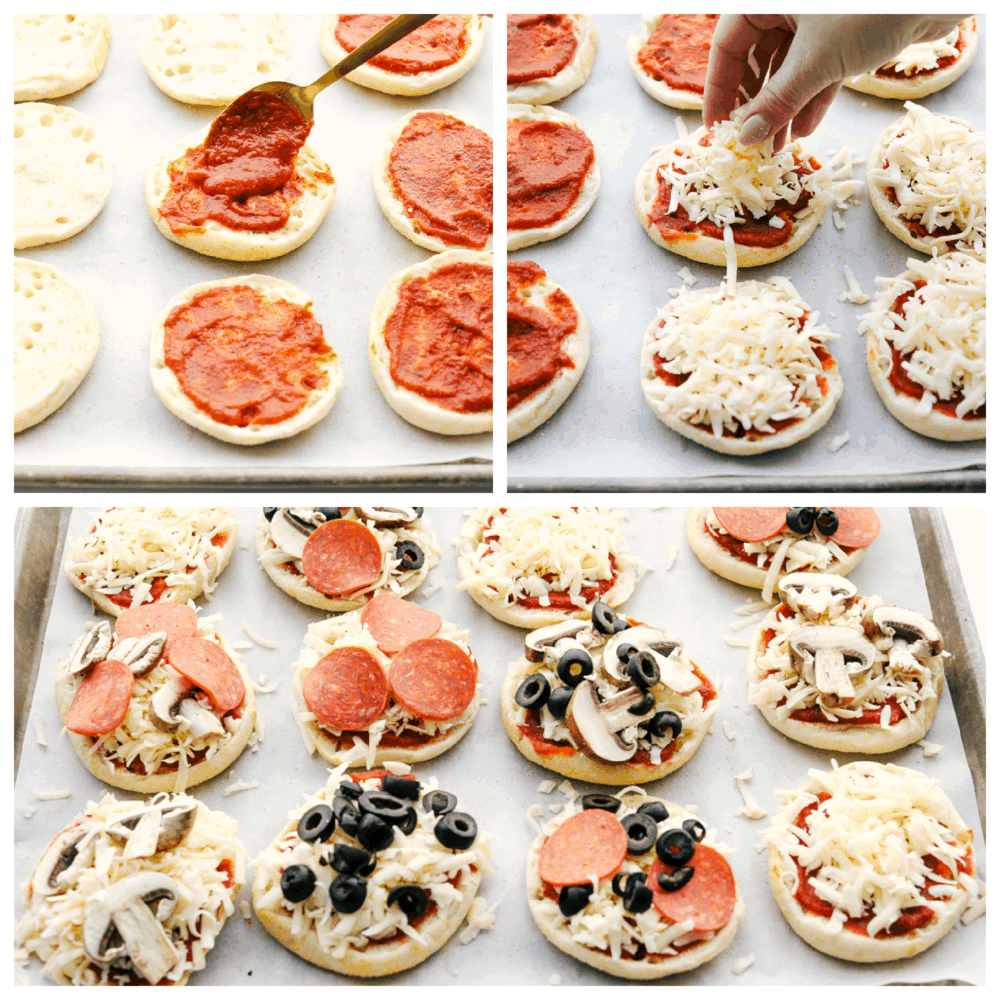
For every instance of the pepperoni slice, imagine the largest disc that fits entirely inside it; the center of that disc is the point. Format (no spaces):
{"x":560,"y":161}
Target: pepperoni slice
{"x":347,"y":689}
{"x":859,"y":526}
{"x":394,"y":622}
{"x":708,"y":899}
{"x":341,"y":556}
{"x":208,"y":667}
{"x":590,"y":843}
{"x":177,"y":620}
{"x":102,"y":699}
{"x":751,"y":524}
{"x":433,"y":678}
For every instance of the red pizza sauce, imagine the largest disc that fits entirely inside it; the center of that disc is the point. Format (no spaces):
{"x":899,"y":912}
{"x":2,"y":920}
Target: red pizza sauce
{"x":561,"y":598}
{"x":916,"y":227}
{"x":735,"y":547}
{"x":242,"y":176}
{"x":440,"y":337}
{"x":439,"y":43}
{"x":534,"y":336}
{"x":124,"y":598}
{"x":243,"y":359}
{"x":442,"y":171}
{"x":868,"y":717}
{"x":890,"y":72}
{"x":547,"y":163}
{"x":677,"y":51}
{"x":538,"y":46}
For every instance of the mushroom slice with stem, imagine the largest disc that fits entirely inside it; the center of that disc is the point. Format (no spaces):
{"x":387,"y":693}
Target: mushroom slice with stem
{"x":817,"y":595}
{"x":164,"y":705}
{"x":566,"y":635}
{"x":92,"y":647}
{"x":154,"y":828}
{"x":140,"y":653}
{"x":654,"y":640}
{"x":828,"y":656}
{"x":389,"y":517}
{"x":67,"y":848}
{"x":292,"y":526}
{"x":198,"y":720}
{"x":600,"y":727}
{"x":911,"y":634}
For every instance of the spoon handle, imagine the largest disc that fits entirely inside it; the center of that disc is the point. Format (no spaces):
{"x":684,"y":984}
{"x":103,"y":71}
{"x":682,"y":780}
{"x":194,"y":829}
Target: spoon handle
{"x":396,"y":29}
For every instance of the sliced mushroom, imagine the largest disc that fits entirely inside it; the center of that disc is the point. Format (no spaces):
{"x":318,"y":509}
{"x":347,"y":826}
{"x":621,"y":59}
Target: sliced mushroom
{"x":817,"y":595}
{"x":389,"y":517}
{"x":828,"y":656}
{"x":92,"y":647}
{"x":543,"y":641}
{"x":292,"y":526}
{"x":66,"y":849}
{"x":912,"y":636}
{"x":140,"y":653}
{"x":164,"y":704}
{"x":126,"y":919}
{"x":198,"y":720}
{"x":153,"y":829}
{"x":662,"y":645}
{"x":598,"y":726}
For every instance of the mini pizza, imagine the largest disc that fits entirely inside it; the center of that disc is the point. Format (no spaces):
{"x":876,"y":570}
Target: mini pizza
{"x":338,"y":558}
{"x":158,"y":702}
{"x":755,"y":546}
{"x":430,"y":343}
{"x":391,"y":681}
{"x":132,"y":556}
{"x":434,"y":181}
{"x":615,"y":701}
{"x":534,"y":566}
{"x":244,"y":360}
{"x":870,"y":884}
{"x":372,"y":875}
{"x":669,"y":57}
{"x":435,"y":55}
{"x":709,"y":198}
{"x":633,"y":885}
{"x":838,"y":671}
{"x":552,"y":174}
{"x":548,"y":345}
{"x":741,"y":372}
{"x":924,"y":67}
{"x":132,"y":893}
{"x":58,"y":54}
{"x":548,"y":56}
{"x":217,"y":193}
{"x":927,"y":182}
{"x":927,"y":346}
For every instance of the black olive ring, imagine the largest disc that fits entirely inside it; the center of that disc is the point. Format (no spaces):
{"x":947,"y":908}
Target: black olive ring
{"x":532,"y":692}
{"x":456,"y":831}
{"x":573,"y":898}
{"x":696,"y":828}
{"x":573,"y":666}
{"x":675,"y":848}
{"x":603,"y":618}
{"x":640,"y":829}
{"x":410,"y":555}
{"x":599,"y":800}
{"x":411,"y":899}
{"x":672,"y":881}
{"x":316,"y":824}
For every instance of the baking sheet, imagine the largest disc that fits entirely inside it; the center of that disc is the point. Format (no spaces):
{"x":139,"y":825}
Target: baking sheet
{"x":620,"y":278}
{"x":114,"y":423}
{"x":496,"y":784}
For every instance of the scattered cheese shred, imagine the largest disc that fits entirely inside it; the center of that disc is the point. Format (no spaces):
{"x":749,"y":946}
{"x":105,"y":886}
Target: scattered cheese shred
{"x":266,"y":643}
{"x":728,"y":730}
{"x":737,"y":641}
{"x":547,"y":786}
{"x":743,"y":964}
{"x":750,"y":809}
{"x":671,"y":557}
{"x":977,"y":905}
{"x":239,"y":786}
{"x":838,"y":442}
{"x":40,"y":729}
{"x":752,"y":607}
{"x":738,"y":626}
{"x":28,"y":811}
{"x":241,"y":647}
{"x":533,"y":814}
{"x":855,"y":295}
{"x":49,"y":796}
{"x":480,"y":918}
{"x":431,"y":590}
{"x":930,"y":749}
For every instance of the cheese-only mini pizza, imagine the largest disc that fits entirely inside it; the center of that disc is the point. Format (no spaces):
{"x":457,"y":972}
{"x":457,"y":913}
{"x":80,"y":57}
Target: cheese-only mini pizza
{"x":435,"y":55}
{"x":669,"y":57}
{"x":548,"y":56}
{"x":548,"y":345}
{"x":434,"y":181}
{"x":392,"y":681}
{"x":927,"y":182}
{"x":430,"y":343}
{"x":552,"y":174}
{"x":926,"y":346}
{"x":130,"y":556}
{"x":244,"y":360}
{"x":58,"y":54}
{"x":159,"y":701}
{"x":870,"y":862}
{"x":614,"y":701}
{"x":372,"y":875}
{"x":338,"y":558}
{"x":132,"y":893}
{"x":836,"y":670}
{"x":924,"y":67}
{"x":226,"y":193}
{"x":708,"y":197}
{"x":755,"y":546}
{"x":740,"y":372}
{"x":635,"y":886}
{"x":534,"y":566}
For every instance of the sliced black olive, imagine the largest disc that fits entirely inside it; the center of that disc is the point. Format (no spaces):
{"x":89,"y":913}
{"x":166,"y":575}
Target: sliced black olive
{"x":573,"y":666}
{"x":409,"y":824}
{"x":643,"y":670}
{"x":350,"y":790}
{"x":374,"y":833}
{"x":672,"y":881}
{"x":558,"y":701}
{"x":330,"y":513}
{"x":663,"y":721}
{"x":456,"y":831}
{"x":420,"y":511}
{"x":297,"y":883}
{"x":631,"y":878}
{"x":647,"y":704}
{"x":638,"y":900}
{"x":800,"y":519}
{"x":675,"y":847}
{"x":696,"y":828}
{"x":307,"y":527}
{"x":598,"y":800}
{"x":386,"y":807}
{"x":350,"y":860}
{"x":619,"y":626}
{"x":401,"y":787}
{"x":410,"y":555}
{"x":347,"y":893}
{"x":348,"y":815}
{"x":573,"y":898}
{"x":532,"y":692}
{"x":269,"y":512}
{"x":411,"y":899}
{"x":640,"y":828}
{"x":317,"y":823}
{"x":655,"y":809}
{"x":603,"y":618}
{"x":439,"y":802}
{"x":827,"y":521}
{"x":625,"y":650}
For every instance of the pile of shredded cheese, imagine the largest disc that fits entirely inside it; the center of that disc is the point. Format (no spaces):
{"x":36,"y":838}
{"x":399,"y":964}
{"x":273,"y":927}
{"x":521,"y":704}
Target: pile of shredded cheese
{"x":925,"y":55}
